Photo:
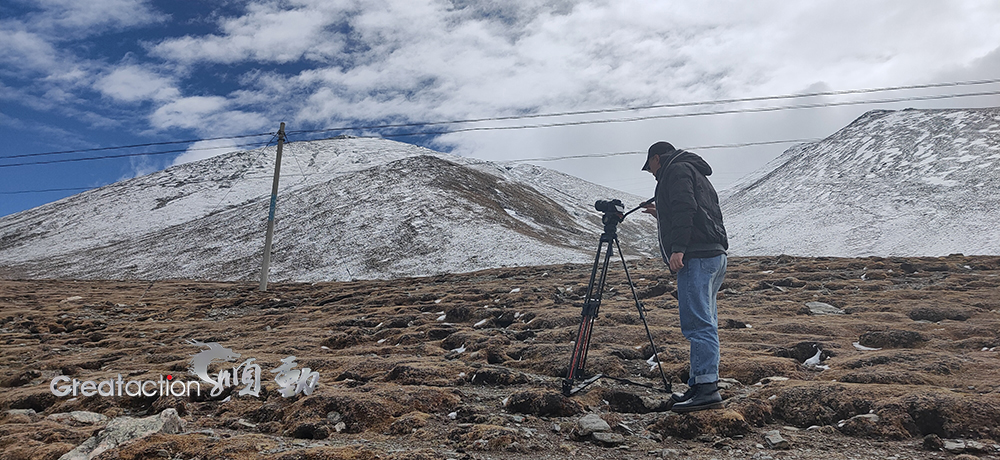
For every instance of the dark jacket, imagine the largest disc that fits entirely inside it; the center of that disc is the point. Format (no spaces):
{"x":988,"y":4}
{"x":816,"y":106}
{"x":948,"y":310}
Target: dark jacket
{"x":689,"y":219}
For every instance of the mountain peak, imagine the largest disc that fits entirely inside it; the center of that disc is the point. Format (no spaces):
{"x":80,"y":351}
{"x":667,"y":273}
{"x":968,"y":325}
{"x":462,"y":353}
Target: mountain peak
{"x":348,"y":208}
{"x":908,"y":183}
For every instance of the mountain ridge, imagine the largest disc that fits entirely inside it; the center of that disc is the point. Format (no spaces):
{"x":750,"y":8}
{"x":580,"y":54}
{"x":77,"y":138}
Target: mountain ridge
{"x":908,"y":183}
{"x":347,"y":208}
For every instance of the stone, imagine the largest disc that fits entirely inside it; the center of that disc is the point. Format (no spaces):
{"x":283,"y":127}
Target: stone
{"x":976,"y":447}
{"x":78,"y":417}
{"x":23,"y":415}
{"x":775,"y":441}
{"x":954,"y":446}
{"x":123,"y":430}
{"x":726,"y":384}
{"x":820,"y":308}
{"x":608,"y":439}
{"x":592,"y":423}
{"x":933,"y":442}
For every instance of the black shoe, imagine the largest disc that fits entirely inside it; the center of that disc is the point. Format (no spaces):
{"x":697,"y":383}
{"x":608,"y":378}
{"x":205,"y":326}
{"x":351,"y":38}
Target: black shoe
{"x":678,"y":397}
{"x":705,"y":396}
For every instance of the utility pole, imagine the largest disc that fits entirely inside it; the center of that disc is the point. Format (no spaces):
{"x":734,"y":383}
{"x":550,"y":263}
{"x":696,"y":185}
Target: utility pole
{"x":270,"y":215}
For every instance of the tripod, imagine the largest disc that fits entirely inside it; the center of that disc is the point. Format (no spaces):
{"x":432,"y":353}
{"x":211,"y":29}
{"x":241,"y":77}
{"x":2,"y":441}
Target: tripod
{"x":613,"y":215}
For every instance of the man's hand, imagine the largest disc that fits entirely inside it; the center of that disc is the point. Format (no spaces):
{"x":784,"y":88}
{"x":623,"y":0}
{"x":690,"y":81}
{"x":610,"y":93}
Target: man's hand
{"x":650,"y":209}
{"x":676,"y":261}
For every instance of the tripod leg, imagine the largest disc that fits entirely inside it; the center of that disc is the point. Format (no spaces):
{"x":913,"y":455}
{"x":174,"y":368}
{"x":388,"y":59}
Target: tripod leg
{"x":591,"y":305}
{"x":642,"y":315}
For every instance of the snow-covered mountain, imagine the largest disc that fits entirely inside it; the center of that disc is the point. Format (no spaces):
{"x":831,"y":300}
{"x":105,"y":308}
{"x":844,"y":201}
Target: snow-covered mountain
{"x":348,"y":208}
{"x":909,"y":182}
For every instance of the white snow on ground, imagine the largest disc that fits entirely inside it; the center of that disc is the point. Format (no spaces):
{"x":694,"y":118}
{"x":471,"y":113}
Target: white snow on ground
{"x":348,"y":208}
{"x":892,"y":183}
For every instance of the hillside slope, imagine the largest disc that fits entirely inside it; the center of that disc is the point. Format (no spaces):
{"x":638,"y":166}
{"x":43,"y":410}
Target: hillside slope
{"x":910,"y":183}
{"x":347,"y":208}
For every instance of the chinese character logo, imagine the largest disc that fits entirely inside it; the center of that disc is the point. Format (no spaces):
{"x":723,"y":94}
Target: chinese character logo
{"x":290,"y":380}
{"x":226,"y":377}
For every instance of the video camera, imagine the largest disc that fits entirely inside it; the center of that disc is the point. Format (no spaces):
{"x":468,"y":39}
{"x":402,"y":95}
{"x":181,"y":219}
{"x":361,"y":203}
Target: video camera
{"x":610,"y":206}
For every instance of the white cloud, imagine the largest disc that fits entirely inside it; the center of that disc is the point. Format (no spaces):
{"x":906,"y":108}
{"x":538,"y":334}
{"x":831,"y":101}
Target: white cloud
{"x":135,"y":83}
{"x":188,"y":112}
{"x":68,"y":18}
{"x":427,"y":61}
{"x":321,"y":63}
{"x":206,"y":149}
{"x":208,"y":115}
{"x":266,"y":34}
{"x":26,"y":51}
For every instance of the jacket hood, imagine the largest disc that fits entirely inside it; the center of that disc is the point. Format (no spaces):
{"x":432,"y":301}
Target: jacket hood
{"x":683,"y":156}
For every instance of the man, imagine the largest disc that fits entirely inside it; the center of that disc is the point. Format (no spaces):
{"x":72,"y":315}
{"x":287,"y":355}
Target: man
{"x":693,"y":244}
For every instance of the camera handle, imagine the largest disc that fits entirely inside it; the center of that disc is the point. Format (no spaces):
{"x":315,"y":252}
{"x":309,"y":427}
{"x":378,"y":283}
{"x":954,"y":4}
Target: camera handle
{"x":591,"y":305}
{"x":641,"y":205}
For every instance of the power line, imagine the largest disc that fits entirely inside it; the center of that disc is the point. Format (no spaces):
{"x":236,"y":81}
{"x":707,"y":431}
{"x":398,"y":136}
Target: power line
{"x":588,"y":122}
{"x":519,"y":160}
{"x":69,"y":189}
{"x":123,"y":155}
{"x":688,"y":114}
{"x":703,"y":147}
{"x":659,"y":106}
{"x":581,"y":112}
{"x":120,"y":147}
{"x":549,"y":125}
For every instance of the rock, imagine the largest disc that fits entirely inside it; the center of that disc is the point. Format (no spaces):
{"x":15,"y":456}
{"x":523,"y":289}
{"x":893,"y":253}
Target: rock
{"x":726,"y":384}
{"x":954,"y":446}
{"x":932,"y":442}
{"x":820,"y":308}
{"x":865,"y":417}
{"x":22,"y":416}
{"x":123,"y":430}
{"x":775,"y":441}
{"x":608,"y":439}
{"x":78,"y":417}
{"x":591,"y":423}
{"x":976,"y":447}
{"x":623,"y":401}
{"x":860,"y":425}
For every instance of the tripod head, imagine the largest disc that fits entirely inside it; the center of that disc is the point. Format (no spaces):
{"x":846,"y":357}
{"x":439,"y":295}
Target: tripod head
{"x":614,"y":213}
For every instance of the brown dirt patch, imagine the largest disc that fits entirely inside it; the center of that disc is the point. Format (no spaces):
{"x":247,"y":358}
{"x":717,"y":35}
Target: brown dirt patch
{"x":470,"y":365}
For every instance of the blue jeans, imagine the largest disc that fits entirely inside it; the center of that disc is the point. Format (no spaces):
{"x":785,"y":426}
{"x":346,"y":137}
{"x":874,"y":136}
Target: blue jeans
{"x":697,"y":284}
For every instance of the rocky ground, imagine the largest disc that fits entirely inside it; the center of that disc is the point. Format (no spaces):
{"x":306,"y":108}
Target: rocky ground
{"x":471,"y":365}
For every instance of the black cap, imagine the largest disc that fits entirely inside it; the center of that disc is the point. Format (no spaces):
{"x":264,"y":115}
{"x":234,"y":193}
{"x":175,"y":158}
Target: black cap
{"x":658,"y":148}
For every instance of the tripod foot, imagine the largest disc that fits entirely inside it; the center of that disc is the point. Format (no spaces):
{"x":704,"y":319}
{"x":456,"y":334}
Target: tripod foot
{"x":568,"y":389}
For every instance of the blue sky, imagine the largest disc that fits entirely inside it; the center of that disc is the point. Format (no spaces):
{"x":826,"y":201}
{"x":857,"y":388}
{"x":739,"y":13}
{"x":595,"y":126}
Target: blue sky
{"x":78,"y":75}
